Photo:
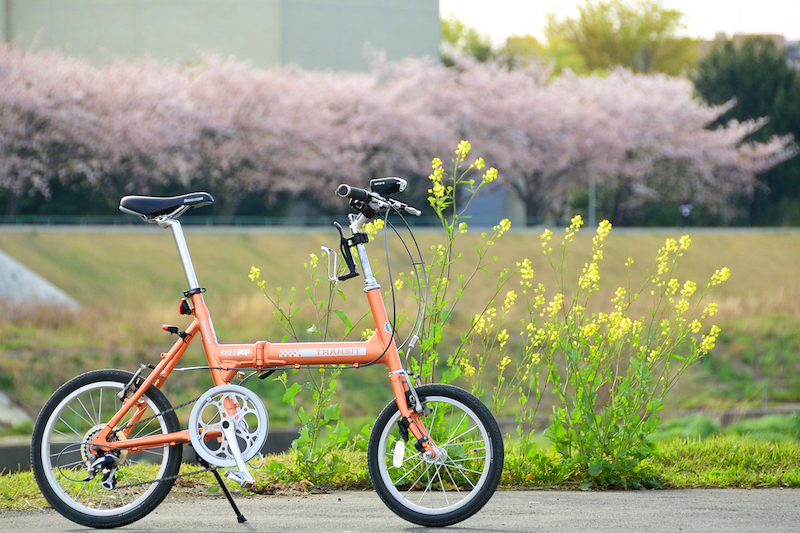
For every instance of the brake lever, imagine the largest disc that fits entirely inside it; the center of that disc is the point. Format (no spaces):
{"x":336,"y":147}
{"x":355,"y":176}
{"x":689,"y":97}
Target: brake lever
{"x":344,"y":245}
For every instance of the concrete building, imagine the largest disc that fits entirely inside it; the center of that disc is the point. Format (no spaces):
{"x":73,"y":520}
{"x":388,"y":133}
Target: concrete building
{"x":313,"y":34}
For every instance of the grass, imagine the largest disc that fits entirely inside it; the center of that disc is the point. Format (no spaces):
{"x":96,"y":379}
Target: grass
{"x":722,"y":462}
{"x":129,"y":283}
{"x":727,"y":461}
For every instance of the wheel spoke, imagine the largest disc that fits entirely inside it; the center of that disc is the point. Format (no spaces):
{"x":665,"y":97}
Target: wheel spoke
{"x":461,"y":475}
{"x":77,"y":411}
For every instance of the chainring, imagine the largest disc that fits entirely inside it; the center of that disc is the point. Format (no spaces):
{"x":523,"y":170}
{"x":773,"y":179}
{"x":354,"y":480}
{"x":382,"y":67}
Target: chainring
{"x":237,"y":404}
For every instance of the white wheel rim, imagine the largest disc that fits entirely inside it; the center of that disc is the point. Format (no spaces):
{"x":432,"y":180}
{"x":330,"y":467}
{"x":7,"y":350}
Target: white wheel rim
{"x":50,"y":470}
{"x":406,"y":497}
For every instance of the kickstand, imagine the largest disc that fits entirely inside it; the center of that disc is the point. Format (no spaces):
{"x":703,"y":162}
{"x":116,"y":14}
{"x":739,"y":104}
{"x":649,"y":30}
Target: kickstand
{"x":239,"y":516}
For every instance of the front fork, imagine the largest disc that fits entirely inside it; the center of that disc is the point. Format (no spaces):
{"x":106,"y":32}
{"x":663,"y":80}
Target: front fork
{"x":412,"y":409}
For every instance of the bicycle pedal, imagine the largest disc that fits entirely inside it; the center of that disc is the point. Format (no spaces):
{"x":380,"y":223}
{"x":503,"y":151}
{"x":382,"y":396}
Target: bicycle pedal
{"x":244,"y":479}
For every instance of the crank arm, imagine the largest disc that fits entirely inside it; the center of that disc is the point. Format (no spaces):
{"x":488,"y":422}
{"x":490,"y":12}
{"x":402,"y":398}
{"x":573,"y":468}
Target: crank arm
{"x":242,"y":476}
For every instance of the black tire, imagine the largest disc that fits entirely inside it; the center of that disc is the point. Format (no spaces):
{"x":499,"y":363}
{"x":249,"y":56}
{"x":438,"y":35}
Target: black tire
{"x":441,"y":492}
{"x":59,"y":456}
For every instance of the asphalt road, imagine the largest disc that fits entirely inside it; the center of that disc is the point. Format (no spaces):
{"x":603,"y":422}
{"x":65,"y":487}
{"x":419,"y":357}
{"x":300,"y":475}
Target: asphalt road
{"x":707,"y":511}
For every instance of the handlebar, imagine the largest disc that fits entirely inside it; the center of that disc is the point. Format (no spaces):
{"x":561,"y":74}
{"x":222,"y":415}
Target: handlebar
{"x":346,"y":191}
{"x":370,"y":203}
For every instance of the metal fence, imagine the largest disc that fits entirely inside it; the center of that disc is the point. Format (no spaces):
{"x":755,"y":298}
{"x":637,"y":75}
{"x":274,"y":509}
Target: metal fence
{"x":236,"y":221}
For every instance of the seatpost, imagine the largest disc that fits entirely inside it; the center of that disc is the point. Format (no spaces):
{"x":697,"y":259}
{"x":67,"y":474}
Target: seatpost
{"x":183,"y":249}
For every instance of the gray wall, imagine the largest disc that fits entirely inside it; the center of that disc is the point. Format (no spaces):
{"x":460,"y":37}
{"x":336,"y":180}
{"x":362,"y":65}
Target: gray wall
{"x":316,"y":34}
{"x":333,"y":33}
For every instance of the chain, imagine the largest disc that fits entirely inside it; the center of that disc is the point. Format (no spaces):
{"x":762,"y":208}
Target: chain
{"x":168,"y":478}
{"x":157,"y":415}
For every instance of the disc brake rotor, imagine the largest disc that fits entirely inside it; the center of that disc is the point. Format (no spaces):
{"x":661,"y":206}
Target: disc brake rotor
{"x":242,"y":408}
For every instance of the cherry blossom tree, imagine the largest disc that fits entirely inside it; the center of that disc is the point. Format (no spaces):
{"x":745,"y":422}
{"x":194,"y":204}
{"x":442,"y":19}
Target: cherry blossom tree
{"x":143,"y":127}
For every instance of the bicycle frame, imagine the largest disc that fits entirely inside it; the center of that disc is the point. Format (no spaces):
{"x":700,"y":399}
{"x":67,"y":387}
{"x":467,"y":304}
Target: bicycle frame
{"x":226,"y":360}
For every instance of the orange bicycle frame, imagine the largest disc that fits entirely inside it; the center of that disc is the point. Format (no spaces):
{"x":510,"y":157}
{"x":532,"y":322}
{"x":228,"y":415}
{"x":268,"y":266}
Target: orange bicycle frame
{"x":227,"y":360}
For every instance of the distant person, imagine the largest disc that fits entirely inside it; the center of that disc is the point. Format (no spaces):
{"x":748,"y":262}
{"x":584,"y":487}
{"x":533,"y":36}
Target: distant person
{"x":686,"y":213}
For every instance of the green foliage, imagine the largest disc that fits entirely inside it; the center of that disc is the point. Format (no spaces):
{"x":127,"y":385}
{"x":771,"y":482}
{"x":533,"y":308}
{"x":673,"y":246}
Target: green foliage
{"x":463,"y":39}
{"x":692,"y":428}
{"x":758,"y":78}
{"x":444,"y":292}
{"x":322,"y":433}
{"x":642,"y":37}
{"x":727,"y":461}
{"x":758,"y":361}
{"x":754,"y":74}
{"x":609,"y":371}
{"x":774,"y":428}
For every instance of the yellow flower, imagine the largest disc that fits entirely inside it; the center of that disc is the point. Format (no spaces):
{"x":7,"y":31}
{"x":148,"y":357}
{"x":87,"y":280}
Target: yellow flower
{"x":479,"y":163}
{"x":670,"y":245}
{"x":254,"y":274}
{"x":589,"y":330}
{"x":710,"y":310}
{"x":467,"y":368}
{"x":688,"y":288}
{"x":555,"y":306}
{"x":684,"y":242}
{"x":603,"y":229}
{"x":590,"y":277}
{"x":682,"y":306}
{"x":720,"y":275}
{"x":526,"y":270}
{"x":462,"y":227}
{"x":575,"y":223}
{"x":695,"y":326}
{"x":502,"y":338}
{"x":545,"y":237}
{"x":511,"y":296}
{"x":372,"y":228}
{"x":710,"y":340}
{"x":438,"y":189}
{"x":462,"y":150}
{"x":502,"y":227}
{"x":398,"y":284}
{"x":504,"y":363}
{"x":478,"y":323}
{"x":490,"y":175}
{"x":672,"y":286}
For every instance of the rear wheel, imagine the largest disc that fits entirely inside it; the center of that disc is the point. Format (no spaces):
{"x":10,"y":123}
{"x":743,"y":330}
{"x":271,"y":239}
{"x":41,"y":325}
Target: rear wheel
{"x":461,"y":477}
{"x":130,"y":484}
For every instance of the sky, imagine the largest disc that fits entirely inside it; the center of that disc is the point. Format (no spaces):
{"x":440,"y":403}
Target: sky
{"x":703,"y":18}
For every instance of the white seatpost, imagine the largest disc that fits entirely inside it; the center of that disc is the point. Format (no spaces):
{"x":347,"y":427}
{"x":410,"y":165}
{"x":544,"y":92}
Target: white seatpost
{"x":183,"y":249}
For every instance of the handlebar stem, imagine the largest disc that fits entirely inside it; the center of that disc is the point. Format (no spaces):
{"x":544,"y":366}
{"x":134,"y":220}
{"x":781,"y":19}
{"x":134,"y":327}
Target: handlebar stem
{"x":370,"y":283}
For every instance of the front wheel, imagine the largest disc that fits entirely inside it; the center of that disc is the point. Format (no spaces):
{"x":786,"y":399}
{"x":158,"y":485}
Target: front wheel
{"x":461,"y":477}
{"x":129,"y":484}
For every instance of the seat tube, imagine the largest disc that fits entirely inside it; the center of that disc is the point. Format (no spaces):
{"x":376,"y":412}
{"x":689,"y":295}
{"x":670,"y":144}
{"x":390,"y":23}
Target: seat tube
{"x":183,"y":251}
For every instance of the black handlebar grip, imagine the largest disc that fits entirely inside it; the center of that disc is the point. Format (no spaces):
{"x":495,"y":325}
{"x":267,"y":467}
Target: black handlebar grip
{"x":346,"y":191}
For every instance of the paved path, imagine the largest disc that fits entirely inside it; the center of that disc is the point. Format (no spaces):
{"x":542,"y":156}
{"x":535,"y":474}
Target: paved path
{"x":707,"y":511}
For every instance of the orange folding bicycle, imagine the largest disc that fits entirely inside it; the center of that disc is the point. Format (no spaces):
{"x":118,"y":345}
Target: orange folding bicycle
{"x":106,"y":448}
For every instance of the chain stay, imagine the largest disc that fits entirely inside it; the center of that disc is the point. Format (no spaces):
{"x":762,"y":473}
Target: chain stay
{"x":169,"y":478}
